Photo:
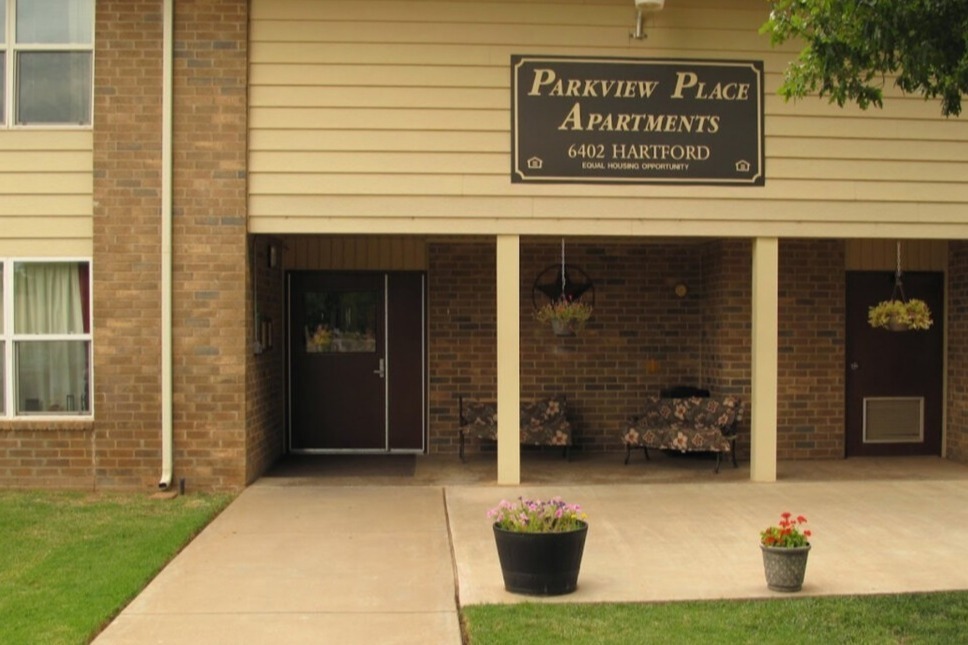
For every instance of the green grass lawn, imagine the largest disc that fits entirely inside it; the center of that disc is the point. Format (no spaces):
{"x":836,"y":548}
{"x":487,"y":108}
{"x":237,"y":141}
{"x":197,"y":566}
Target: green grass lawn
{"x":940,"y":618}
{"x":69,"y":562}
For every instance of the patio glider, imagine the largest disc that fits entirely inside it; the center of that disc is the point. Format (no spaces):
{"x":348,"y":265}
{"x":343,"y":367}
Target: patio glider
{"x":688,"y":424}
{"x":544,"y":421}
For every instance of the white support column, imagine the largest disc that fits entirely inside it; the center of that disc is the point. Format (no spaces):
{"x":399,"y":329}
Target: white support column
{"x":508,"y":360}
{"x":766,"y":254}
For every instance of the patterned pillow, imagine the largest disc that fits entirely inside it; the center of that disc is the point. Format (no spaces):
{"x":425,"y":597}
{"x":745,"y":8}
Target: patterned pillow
{"x":542,"y":411}
{"x":480,"y":413}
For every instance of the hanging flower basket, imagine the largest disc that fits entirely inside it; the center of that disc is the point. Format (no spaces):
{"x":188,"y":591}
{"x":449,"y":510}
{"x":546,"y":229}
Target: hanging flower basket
{"x":564,"y":327}
{"x":566,"y":315}
{"x":900,"y":315}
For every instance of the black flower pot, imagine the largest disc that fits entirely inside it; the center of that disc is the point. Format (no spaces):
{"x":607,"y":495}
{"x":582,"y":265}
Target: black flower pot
{"x":540,"y":564}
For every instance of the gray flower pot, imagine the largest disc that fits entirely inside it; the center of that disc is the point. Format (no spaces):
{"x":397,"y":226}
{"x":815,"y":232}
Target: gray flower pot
{"x":785,"y":567}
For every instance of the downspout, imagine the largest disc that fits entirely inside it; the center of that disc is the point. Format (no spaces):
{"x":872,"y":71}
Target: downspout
{"x":168,"y":43}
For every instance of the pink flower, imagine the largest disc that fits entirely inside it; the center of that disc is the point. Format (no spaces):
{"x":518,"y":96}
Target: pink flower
{"x":537,"y":516}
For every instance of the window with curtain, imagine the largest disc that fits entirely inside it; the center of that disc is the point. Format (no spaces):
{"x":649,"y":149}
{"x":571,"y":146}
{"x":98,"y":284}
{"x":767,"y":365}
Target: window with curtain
{"x":47,"y":56}
{"x":3,"y":351}
{"x":3,"y":71}
{"x":47,"y":338}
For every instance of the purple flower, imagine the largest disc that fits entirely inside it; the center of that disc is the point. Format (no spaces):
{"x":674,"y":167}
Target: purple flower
{"x":537,"y":516}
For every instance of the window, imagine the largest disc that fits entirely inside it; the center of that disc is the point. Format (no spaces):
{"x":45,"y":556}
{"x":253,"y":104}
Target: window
{"x":341,"y":321}
{"x":46,"y":62}
{"x":45,"y":338}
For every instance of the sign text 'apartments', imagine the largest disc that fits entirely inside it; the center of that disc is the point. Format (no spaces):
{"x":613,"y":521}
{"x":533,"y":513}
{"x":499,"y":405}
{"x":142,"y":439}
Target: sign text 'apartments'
{"x":618,"y":120}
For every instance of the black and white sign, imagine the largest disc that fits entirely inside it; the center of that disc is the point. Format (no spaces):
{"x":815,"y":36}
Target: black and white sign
{"x":621,"y":120}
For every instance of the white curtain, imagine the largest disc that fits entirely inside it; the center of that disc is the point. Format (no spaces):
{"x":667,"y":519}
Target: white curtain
{"x":50,"y":373}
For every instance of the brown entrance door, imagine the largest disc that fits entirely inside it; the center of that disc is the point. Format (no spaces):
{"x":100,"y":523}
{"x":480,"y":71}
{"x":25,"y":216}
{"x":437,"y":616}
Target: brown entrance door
{"x":357,"y":363}
{"x":894,"y":379}
{"x":406,"y":362}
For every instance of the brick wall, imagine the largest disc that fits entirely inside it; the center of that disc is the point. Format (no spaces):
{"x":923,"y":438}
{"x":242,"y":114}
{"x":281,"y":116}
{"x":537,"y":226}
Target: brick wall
{"x":641,"y":336}
{"x":461,"y":331}
{"x":810,"y":380}
{"x":209,"y":238}
{"x":727,"y":274}
{"x":810,"y":412}
{"x":127,"y":257}
{"x":265,"y":369}
{"x":957,"y":436}
{"x":211,"y":309}
{"x":47,"y":455}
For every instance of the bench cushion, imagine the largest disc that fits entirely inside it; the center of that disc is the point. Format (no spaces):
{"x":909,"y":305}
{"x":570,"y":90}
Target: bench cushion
{"x":693,"y":423}
{"x":543,"y":421}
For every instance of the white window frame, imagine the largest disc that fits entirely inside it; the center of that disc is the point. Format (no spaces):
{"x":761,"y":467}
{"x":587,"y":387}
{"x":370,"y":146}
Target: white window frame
{"x":10,"y":48}
{"x":9,"y":338}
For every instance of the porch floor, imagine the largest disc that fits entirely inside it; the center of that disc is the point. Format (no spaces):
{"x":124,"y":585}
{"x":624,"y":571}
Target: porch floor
{"x":549,"y":467}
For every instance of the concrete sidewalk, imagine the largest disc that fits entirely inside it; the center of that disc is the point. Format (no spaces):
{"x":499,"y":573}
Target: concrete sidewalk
{"x":311,"y":562}
{"x":297,"y":564}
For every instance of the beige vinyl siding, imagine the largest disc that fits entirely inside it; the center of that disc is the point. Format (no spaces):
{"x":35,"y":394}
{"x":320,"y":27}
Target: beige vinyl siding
{"x":394,"y":117}
{"x":46,"y":192}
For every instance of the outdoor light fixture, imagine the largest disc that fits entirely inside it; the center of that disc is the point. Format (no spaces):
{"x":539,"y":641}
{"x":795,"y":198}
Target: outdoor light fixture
{"x":643,"y":6}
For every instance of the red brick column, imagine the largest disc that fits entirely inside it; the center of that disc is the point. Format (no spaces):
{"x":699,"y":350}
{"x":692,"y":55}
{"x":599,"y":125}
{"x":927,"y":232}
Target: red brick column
{"x":462,"y":333}
{"x":127,"y":258}
{"x":212,"y":334}
{"x":209,"y":238}
{"x":727,"y":278}
{"x":957,"y":422}
{"x":810,"y":413}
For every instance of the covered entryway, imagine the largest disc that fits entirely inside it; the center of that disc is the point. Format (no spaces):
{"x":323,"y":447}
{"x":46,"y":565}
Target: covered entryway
{"x":894,"y":379}
{"x":357,"y":362}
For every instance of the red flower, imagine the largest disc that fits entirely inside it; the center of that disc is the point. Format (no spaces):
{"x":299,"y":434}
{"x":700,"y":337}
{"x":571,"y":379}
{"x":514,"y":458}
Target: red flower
{"x":787,"y":533}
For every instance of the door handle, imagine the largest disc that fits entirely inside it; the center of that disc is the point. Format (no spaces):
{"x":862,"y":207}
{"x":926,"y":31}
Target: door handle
{"x":382,"y":371}
{"x":854,"y":366}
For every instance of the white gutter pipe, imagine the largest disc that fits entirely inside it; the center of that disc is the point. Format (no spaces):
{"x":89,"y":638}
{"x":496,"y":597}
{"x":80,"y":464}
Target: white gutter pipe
{"x":168,"y":45}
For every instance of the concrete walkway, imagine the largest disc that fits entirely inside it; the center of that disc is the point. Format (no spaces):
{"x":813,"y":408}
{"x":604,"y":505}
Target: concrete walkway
{"x":306,"y":560}
{"x":303,"y":564}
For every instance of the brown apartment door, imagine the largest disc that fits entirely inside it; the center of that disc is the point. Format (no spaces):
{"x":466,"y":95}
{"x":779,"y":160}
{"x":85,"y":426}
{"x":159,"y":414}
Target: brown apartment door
{"x":356,"y":362}
{"x":893,"y":379}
